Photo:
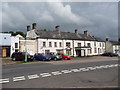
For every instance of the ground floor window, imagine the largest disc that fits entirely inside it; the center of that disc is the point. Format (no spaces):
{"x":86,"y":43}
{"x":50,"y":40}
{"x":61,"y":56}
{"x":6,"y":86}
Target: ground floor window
{"x":68,"y":52}
{"x":47,"y":51}
{"x":95,"y":50}
{"x":59,"y":51}
{"x":89,"y":51}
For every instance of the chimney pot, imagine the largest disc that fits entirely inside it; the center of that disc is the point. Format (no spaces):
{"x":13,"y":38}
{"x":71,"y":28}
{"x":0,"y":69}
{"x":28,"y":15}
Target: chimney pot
{"x":34,"y":26}
{"x":107,"y":39}
{"x":28,"y":28}
{"x":57,"y":27}
{"x":76,"y":31}
{"x":86,"y":32}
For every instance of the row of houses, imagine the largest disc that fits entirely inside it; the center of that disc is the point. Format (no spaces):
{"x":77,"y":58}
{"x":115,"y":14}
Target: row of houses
{"x":42,"y":41}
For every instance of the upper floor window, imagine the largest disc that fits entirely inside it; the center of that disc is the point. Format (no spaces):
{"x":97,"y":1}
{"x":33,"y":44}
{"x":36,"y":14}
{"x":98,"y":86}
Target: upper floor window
{"x":79,"y":44}
{"x":103,"y":44}
{"x":44,"y":44}
{"x":4,"y":37}
{"x":60,"y":44}
{"x":100,"y":44}
{"x":88,"y":45}
{"x":50,"y":44}
{"x":55,"y":44}
{"x":94,"y":43}
{"x":16,"y":45}
{"x":67,"y":44}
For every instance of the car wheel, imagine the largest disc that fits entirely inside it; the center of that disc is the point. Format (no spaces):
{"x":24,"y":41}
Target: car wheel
{"x":55,"y":58}
{"x":14,"y":59}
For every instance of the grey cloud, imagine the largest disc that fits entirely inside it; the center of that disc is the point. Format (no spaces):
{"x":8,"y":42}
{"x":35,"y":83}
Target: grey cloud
{"x":99,"y":18}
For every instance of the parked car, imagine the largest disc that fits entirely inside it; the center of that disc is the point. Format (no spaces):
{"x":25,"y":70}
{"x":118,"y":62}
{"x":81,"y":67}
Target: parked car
{"x":54,"y":56}
{"x":109,"y":54}
{"x":41,"y":56}
{"x":21,"y":56}
{"x":64,"y":56}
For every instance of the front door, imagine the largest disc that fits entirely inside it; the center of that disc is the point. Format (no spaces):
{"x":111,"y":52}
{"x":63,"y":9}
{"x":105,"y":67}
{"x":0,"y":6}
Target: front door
{"x":78,"y":53}
{"x":4,"y":52}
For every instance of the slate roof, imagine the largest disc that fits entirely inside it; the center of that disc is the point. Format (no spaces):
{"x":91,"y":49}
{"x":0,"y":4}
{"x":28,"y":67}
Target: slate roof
{"x":115,"y":42}
{"x":65,"y":35}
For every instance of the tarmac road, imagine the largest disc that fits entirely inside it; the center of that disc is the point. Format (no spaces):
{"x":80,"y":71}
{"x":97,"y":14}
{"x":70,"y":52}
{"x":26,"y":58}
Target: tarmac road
{"x":84,"y":72}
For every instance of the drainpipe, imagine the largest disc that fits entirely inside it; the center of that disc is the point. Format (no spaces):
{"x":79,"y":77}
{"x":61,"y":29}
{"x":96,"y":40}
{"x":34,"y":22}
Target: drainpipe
{"x":73,"y":47}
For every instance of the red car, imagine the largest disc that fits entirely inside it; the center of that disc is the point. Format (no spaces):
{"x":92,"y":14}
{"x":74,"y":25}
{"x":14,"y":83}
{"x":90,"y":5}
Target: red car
{"x":64,"y":56}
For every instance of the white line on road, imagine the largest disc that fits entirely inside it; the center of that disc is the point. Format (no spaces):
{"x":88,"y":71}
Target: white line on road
{"x":85,"y":69}
{"x":82,"y":69}
{"x":33,"y":76}
{"x":56,"y":73}
{"x":75,"y":70}
{"x":19,"y":78}
{"x":4,"y":80}
{"x":45,"y":74}
{"x":97,"y":67}
{"x":91,"y":68}
{"x":106,"y":66}
{"x":66,"y":71}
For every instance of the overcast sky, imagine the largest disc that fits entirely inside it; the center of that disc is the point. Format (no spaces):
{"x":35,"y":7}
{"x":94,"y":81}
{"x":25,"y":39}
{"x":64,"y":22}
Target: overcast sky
{"x":100,"y":18}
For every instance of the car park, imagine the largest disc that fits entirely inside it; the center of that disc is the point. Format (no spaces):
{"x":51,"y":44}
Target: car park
{"x":109,"y":54}
{"x":64,"y":56}
{"x":54,"y":56}
{"x":20,"y":56}
{"x":41,"y":56}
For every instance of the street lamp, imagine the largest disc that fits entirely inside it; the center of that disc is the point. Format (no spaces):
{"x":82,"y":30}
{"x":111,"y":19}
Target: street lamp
{"x":25,"y":51}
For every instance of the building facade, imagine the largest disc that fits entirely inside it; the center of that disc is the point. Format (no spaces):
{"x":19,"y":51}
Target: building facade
{"x":112,"y":46}
{"x":74,"y":44}
{"x":5,"y":44}
{"x":8,"y":44}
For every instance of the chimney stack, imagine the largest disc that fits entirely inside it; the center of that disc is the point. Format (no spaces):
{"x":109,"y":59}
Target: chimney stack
{"x":34,"y":26}
{"x":28,"y":28}
{"x":86,"y":32}
{"x":107,"y":39}
{"x":76,"y":31}
{"x":57,"y":28}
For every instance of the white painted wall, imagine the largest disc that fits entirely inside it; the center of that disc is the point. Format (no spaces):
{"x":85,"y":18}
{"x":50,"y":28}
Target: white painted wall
{"x":14,"y":40}
{"x":5,"y":39}
{"x":116,"y":49}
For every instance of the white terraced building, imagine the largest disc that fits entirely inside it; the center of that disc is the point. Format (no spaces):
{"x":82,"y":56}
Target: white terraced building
{"x":74,"y":44}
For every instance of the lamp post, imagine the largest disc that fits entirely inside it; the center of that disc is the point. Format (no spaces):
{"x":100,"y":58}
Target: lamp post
{"x":25,"y":51}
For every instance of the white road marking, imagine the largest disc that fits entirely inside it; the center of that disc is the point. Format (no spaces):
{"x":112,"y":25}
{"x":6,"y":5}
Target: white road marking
{"x":4,"y":80}
{"x":115,"y":65}
{"x":111,"y":65}
{"x":101,"y":66}
{"x":56,"y":73}
{"x":33,"y":76}
{"x":19,"y":78}
{"x":82,"y":69}
{"x":45,"y":74}
{"x":66,"y":71}
{"x":85,"y":69}
{"x":106,"y":66}
{"x":97,"y":67}
{"x":75,"y":70}
{"x":91,"y":68}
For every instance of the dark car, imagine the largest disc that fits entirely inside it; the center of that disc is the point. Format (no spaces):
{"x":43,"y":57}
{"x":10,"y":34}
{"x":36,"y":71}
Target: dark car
{"x":109,"y":54}
{"x":21,"y":56}
{"x":54,"y":56}
{"x":64,"y":56}
{"x":40,"y":56}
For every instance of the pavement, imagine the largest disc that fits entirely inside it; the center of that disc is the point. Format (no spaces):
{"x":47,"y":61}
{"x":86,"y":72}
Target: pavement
{"x":8,"y":61}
